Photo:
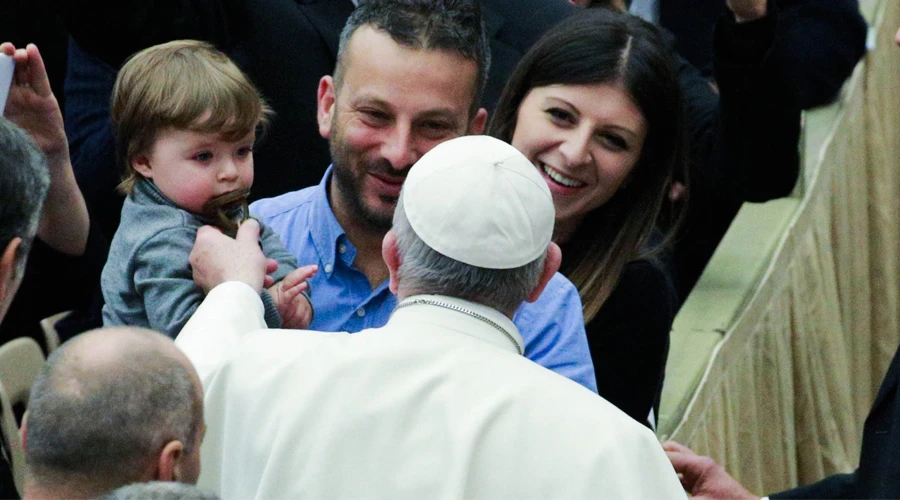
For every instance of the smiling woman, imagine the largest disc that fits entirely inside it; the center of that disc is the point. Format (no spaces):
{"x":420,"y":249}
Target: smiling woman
{"x":596,"y":106}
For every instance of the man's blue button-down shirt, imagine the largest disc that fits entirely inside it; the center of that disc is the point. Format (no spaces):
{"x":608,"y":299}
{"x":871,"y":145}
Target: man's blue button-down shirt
{"x":552,"y":327}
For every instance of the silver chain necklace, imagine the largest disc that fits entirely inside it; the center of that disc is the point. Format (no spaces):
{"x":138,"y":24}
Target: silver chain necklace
{"x":468,"y":312}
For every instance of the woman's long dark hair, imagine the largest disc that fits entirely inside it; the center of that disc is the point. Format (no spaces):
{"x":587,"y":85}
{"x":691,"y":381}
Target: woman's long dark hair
{"x":597,"y":46}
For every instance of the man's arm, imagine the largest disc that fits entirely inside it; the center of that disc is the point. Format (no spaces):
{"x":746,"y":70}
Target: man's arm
{"x":752,"y":153}
{"x":232,"y":272}
{"x":743,"y":139}
{"x":704,"y":479}
{"x":819,"y":44}
{"x":835,"y":486}
{"x":553,"y":330}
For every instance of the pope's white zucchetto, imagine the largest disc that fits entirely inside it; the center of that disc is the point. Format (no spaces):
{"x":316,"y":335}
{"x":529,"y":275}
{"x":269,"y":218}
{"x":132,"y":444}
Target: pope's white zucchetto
{"x":479,"y":201}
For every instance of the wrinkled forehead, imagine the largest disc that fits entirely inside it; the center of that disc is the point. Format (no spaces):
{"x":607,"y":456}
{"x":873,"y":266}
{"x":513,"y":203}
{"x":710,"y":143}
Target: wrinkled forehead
{"x":376,"y":68}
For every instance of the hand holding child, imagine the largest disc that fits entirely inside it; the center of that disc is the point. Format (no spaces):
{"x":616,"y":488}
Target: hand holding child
{"x":295,"y":309}
{"x":217,"y":258}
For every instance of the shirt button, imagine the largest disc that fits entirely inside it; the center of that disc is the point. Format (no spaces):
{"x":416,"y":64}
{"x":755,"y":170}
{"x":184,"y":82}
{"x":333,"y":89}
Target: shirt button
{"x":328,"y":268}
{"x":361,"y":312}
{"x":342,"y":248}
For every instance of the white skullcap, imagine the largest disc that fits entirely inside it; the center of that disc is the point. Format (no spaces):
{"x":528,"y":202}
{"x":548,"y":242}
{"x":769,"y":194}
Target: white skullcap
{"x":479,"y":201}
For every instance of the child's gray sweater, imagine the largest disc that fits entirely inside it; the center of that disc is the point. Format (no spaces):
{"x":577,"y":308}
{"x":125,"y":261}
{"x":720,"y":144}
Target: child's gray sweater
{"x":147,"y":280}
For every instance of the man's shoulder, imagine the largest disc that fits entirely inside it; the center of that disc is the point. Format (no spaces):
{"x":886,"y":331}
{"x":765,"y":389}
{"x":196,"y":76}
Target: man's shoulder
{"x":288,"y":204}
{"x":559,"y":290}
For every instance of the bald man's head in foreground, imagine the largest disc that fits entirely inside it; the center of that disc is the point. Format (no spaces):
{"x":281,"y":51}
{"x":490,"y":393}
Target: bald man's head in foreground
{"x":112,"y":407}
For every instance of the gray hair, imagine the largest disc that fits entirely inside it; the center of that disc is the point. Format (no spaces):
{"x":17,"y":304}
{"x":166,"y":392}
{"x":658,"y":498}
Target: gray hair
{"x":24,"y":181}
{"x":424,"y":270}
{"x":104,"y":424}
{"x":159,"y":490}
{"x":451,"y":25}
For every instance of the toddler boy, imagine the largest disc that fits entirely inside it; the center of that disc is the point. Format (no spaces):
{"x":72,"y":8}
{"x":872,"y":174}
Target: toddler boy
{"x":185,"y":119}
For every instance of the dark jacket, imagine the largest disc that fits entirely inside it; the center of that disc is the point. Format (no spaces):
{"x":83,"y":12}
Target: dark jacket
{"x":820,"y":41}
{"x":878,"y":475}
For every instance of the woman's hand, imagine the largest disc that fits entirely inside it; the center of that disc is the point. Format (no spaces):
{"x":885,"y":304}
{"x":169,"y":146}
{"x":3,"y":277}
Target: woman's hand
{"x":748,"y":10}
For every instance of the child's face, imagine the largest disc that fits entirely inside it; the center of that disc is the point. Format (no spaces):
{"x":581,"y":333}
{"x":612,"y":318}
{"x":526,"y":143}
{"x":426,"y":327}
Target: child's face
{"x":191,"y":168}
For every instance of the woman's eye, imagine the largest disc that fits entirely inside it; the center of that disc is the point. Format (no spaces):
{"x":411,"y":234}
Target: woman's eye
{"x":614,"y":142}
{"x":560,"y":115}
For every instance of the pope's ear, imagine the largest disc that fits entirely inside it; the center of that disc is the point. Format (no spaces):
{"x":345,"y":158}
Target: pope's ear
{"x":551,"y":265}
{"x":392,"y":258}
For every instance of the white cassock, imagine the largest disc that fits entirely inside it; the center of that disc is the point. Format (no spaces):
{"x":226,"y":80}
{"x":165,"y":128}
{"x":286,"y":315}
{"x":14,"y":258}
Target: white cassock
{"x":436,"y":404}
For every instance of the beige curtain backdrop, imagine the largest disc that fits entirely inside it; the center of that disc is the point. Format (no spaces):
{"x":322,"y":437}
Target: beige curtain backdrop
{"x":786,"y":392}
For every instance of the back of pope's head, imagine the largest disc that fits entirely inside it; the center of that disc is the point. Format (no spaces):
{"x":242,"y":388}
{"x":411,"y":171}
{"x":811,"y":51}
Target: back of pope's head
{"x":474,"y":221}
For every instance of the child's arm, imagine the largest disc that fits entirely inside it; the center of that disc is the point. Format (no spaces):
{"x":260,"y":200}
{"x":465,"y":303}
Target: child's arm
{"x":293,"y":304}
{"x":290,"y":290}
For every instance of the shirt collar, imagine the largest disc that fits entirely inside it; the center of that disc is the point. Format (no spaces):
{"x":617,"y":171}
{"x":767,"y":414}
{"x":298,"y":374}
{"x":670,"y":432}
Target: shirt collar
{"x":481,"y":322}
{"x":327,"y":234}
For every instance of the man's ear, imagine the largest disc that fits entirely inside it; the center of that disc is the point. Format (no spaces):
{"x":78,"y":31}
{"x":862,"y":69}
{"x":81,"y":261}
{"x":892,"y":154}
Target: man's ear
{"x":478,"y":124}
{"x":391,"y":258}
{"x":141,"y":165}
{"x":168,"y":467}
{"x":326,"y":101}
{"x":551,"y":265}
{"x":8,"y":269}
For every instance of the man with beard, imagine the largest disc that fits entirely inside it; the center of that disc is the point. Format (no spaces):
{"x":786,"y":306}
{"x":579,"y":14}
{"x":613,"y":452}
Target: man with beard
{"x":409,"y":76}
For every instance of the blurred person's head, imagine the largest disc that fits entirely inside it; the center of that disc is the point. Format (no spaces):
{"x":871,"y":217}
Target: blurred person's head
{"x":186,"y":118}
{"x":24,"y":180}
{"x":409,"y":76}
{"x":112,"y":407}
{"x":159,"y":490}
{"x":596,"y":106}
{"x":618,"y":5}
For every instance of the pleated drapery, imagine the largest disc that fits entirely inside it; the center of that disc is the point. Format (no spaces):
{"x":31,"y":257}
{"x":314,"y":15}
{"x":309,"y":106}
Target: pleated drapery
{"x":783,"y":398}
